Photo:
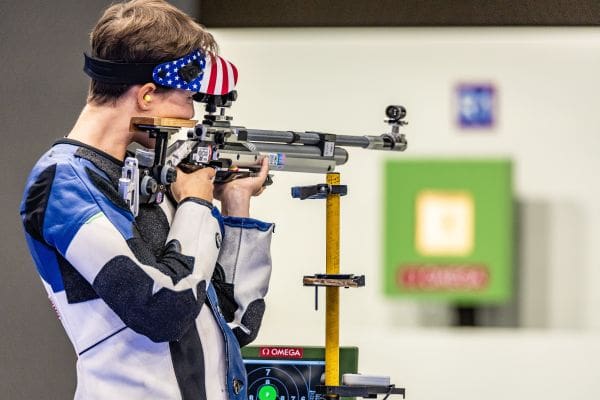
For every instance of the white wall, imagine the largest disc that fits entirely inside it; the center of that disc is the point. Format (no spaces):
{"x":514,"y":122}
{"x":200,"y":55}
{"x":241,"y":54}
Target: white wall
{"x":339,"y":81}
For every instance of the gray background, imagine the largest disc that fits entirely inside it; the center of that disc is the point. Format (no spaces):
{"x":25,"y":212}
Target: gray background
{"x":43,"y":89}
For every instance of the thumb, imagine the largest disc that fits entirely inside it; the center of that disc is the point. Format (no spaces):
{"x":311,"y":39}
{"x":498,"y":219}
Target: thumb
{"x":264,"y":169}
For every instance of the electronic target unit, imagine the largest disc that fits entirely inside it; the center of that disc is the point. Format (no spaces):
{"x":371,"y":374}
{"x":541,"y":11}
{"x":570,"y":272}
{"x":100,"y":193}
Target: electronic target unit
{"x":291,"y":372}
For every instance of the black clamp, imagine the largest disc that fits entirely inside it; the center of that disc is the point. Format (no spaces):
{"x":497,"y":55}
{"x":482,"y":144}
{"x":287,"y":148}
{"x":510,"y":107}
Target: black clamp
{"x":165,"y":174}
{"x":320,"y":191}
{"x":326,"y":144}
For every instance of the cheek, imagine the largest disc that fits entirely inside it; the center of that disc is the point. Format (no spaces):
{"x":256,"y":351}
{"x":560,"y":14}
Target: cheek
{"x":186,"y":107}
{"x":179,"y":109}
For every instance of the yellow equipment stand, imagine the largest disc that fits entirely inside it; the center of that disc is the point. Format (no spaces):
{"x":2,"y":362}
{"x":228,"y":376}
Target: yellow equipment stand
{"x":332,"y":297}
{"x":333,"y":280}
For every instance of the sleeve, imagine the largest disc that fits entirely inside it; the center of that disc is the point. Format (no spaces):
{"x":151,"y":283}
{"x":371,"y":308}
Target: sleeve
{"x":243,"y":273}
{"x":159,"y":297}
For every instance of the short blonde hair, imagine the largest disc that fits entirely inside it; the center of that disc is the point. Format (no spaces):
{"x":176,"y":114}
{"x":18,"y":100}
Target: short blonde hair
{"x":143,"y":31}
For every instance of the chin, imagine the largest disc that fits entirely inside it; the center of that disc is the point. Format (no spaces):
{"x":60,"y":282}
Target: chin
{"x":190,"y":114}
{"x":181,"y":115}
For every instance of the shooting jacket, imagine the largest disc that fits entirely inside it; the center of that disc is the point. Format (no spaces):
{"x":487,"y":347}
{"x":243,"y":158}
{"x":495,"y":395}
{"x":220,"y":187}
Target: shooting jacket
{"x":156,"y":306}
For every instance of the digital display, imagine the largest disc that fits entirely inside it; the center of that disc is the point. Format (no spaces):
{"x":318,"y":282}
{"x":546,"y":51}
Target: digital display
{"x":283,"y":379}
{"x":277,"y":372}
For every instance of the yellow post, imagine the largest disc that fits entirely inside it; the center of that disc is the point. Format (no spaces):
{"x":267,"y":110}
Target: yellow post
{"x":332,"y":299}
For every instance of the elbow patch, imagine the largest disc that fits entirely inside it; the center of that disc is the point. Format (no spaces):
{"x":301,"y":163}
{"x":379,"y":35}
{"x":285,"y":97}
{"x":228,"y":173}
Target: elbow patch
{"x":162,"y":317}
{"x":171,"y":262}
{"x":225,"y":293}
{"x":77,"y":289}
{"x":252,"y":319}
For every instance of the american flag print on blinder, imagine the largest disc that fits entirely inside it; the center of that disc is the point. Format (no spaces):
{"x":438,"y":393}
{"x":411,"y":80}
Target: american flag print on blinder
{"x":220,"y":76}
{"x":197,"y":72}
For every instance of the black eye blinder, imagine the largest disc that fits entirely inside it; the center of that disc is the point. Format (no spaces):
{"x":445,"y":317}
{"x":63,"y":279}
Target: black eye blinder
{"x":190,"y":72}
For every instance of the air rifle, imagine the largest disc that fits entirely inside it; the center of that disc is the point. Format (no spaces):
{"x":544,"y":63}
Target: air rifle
{"x":235,"y":151}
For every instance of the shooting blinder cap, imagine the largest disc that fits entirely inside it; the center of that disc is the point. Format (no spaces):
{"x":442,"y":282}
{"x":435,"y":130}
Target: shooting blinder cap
{"x":196,"y":72}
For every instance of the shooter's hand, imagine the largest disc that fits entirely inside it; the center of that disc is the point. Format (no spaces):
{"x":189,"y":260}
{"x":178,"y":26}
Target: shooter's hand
{"x":235,"y":195}
{"x":195,"y":184}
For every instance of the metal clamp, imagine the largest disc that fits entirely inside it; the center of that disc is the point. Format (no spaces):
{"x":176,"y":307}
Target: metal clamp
{"x":129,"y":184}
{"x":332,"y":280}
{"x":368,"y":392}
{"x":320,"y":191}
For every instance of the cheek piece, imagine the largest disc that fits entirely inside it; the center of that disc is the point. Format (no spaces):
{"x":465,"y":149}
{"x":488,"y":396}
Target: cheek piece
{"x":196,"y":72}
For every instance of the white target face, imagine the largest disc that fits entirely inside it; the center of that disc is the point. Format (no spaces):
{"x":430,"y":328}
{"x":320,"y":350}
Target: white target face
{"x":283,"y":379}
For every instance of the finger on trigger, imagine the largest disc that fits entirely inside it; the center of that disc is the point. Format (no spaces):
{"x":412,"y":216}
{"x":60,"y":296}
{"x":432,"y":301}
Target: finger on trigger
{"x":211,"y":172}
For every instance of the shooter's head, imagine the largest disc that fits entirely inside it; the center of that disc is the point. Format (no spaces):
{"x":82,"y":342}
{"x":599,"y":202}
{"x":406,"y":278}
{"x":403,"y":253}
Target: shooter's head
{"x":139,"y":32}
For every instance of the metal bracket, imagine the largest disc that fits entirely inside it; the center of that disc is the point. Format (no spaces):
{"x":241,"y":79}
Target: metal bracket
{"x":129,"y":184}
{"x":337,"y":280}
{"x":332,"y":280}
{"x":367,"y":392}
{"x":326,"y":144}
{"x":320,"y":191}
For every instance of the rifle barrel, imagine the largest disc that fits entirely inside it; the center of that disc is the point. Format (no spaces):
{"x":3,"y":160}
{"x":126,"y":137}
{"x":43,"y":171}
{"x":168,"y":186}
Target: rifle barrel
{"x":380,"y":142}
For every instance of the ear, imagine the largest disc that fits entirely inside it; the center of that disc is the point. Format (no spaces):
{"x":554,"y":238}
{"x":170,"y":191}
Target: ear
{"x":145,"y":96}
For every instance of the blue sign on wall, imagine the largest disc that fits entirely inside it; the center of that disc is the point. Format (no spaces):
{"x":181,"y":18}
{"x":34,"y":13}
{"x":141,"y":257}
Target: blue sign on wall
{"x":476,"y":105}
